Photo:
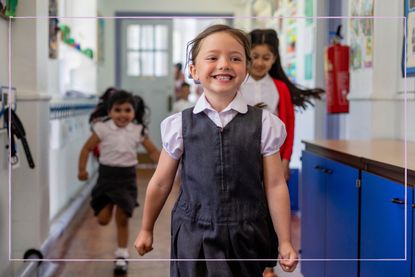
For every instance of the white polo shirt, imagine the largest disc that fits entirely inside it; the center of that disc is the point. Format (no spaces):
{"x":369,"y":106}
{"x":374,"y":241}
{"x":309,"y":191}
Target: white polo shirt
{"x":118,"y":146}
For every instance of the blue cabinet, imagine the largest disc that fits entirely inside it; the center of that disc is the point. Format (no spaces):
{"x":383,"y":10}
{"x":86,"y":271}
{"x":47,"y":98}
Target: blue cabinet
{"x":329,"y":217}
{"x":342,"y":214}
{"x":383,"y":227}
{"x":313,"y":215}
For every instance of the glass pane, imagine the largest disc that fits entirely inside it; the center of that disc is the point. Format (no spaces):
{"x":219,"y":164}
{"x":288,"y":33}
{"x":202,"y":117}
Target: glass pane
{"x":133,"y":64}
{"x":133,"y":37}
{"x":147,"y":63}
{"x":161,"y":37}
{"x":147,"y":37}
{"x":161,"y":64}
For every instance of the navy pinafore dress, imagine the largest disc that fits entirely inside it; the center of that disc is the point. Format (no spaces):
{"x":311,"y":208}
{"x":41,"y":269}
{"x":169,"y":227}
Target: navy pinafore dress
{"x":221,"y":212}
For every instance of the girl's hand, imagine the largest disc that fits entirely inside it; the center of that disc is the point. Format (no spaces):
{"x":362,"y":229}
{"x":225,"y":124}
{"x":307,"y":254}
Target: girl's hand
{"x":288,"y":257}
{"x":144,"y":242}
{"x":261,"y":105}
{"x":83,"y":175}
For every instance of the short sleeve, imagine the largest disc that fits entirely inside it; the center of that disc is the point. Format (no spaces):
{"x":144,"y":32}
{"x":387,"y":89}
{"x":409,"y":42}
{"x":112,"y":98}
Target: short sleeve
{"x":141,"y":134}
{"x":171,"y":135}
{"x":99,"y":129}
{"x":273,"y":133}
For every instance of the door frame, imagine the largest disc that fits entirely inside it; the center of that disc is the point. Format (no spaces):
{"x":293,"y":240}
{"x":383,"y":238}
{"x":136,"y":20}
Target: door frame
{"x":118,"y":30}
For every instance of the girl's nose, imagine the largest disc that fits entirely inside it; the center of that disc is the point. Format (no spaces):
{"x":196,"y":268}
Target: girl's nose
{"x":259,"y":62}
{"x":224,"y":64}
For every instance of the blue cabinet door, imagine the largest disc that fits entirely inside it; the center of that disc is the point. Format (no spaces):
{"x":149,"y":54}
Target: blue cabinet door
{"x":383,"y":227}
{"x":342,"y":217}
{"x":329,"y":217}
{"x":313,"y":215}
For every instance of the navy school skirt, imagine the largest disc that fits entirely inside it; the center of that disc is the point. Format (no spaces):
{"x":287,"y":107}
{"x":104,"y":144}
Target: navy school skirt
{"x":192,"y":239}
{"x":116,"y":185}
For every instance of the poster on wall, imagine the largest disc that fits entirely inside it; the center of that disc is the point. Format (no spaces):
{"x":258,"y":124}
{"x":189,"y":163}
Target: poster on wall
{"x":361,"y":34}
{"x":410,"y":37}
{"x":288,"y":38}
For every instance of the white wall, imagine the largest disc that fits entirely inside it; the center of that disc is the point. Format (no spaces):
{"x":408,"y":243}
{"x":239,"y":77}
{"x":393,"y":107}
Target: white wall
{"x":376,"y":102}
{"x":67,"y":136}
{"x":76,"y":71}
{"x":4,"y":206}
{"x":29,"y":77}
{"x":5,"y":268}
{"x":30,"y":190}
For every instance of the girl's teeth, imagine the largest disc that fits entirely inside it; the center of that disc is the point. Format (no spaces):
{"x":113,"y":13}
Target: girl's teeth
{"x":223,"y":78}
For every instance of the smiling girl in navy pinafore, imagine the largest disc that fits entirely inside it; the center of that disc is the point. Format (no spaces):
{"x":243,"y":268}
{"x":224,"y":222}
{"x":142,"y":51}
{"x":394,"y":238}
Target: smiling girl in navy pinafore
{"x":233,"y":197}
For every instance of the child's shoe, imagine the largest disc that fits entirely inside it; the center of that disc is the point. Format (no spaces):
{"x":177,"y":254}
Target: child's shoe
{"x":121,"y":263}
{"x":121,"y":266}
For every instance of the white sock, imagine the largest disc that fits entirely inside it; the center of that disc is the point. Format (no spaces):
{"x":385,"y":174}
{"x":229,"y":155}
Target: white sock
{"x":122,"y":252}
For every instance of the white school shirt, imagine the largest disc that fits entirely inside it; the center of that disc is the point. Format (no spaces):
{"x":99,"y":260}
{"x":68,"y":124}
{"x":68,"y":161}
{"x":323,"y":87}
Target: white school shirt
{"x":272,"y":136}
{"x":118,"y":146}
{"x":263,"y":90}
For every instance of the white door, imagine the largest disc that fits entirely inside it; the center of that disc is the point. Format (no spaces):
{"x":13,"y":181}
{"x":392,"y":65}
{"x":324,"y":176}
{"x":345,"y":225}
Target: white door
{"x":146,"y":66}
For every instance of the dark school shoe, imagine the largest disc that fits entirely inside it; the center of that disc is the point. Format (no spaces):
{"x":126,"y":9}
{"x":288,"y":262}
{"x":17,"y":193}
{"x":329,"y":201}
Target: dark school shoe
{"x":121,"y":266}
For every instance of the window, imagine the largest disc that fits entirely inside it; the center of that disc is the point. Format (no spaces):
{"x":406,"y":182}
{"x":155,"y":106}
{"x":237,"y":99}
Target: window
{"x":147,"y":47}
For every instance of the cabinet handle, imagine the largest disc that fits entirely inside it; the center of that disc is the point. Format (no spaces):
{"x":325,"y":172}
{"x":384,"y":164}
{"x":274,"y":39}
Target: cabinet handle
{"x":318,"y":167}
{"x":328,"y":171}
{"x":413,"y":205}
{"x":398,"y":201}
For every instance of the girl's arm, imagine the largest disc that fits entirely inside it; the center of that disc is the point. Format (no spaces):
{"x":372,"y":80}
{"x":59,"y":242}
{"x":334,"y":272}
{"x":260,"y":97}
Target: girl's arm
{"x":89,"y":146}
{"x":279,"y":206}
{"x":158,"y":190}
{"x":151,"y":149}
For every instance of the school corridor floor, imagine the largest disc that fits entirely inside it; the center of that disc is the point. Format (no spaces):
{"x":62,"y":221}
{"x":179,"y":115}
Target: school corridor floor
{"x":86,"y":240}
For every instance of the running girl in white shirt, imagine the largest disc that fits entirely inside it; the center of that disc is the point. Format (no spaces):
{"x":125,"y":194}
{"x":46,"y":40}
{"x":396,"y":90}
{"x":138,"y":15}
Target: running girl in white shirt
{"x":116,"y":187}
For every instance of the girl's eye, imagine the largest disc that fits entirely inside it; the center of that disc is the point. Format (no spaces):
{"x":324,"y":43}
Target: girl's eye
{"x":236,"y":59}
{"x":127,"y":110}
{"x":117,"y":110}
{"x":211,"y":58}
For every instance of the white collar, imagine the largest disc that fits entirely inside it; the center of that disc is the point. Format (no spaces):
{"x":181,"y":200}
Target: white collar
{"x":115,"y":127}
{"x":237,"y":104}
{"x":266,"y":79}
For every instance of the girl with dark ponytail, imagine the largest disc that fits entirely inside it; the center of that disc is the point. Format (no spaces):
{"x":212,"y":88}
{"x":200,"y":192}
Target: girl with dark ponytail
{"x":301,"y":97}
{"x":268,"y":87}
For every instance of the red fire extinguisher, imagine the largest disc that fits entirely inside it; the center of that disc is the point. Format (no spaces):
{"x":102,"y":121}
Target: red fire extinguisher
{"x":337,"y":75}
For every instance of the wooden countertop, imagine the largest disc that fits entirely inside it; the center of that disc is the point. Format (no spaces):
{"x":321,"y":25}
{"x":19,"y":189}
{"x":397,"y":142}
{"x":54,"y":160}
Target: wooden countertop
{"x":380,"y":156}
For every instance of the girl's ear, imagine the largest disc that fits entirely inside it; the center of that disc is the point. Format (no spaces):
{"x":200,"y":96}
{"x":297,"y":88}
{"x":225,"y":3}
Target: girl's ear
{"x":193,"y":72}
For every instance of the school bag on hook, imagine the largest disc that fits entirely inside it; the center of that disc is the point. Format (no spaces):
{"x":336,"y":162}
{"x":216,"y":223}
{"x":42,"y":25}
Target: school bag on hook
{"x":17,"y":130}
